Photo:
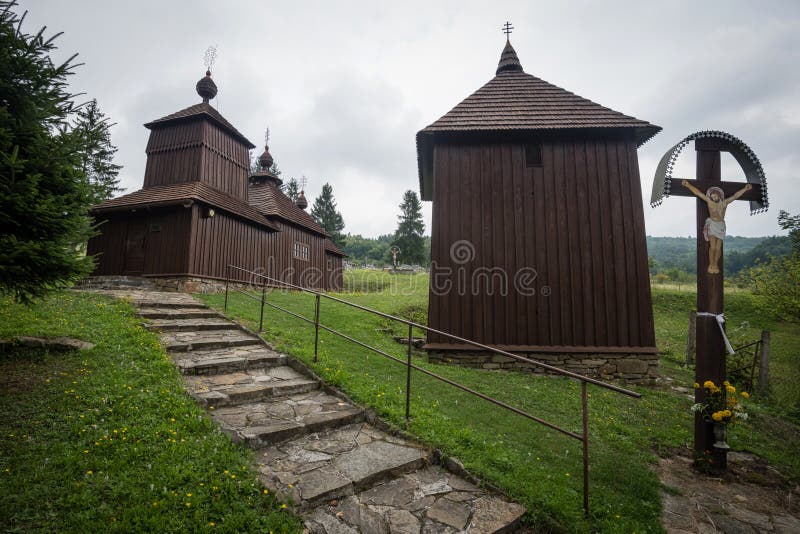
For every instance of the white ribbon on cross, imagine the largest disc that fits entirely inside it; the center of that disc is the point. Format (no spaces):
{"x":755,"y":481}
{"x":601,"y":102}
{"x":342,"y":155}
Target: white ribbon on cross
{"x":721,"y":323}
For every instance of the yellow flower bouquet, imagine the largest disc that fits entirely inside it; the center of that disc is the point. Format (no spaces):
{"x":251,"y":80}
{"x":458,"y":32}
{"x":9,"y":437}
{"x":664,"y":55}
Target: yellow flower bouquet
{"x":722,"y":404}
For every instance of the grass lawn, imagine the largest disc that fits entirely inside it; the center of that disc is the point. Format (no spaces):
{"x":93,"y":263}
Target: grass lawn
{"x":107,"y":439}
{"x":534,"y":465}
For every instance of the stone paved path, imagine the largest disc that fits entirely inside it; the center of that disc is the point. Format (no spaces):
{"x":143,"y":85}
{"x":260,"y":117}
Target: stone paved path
{"x":313,"y":448}
{"x":702,"y":504}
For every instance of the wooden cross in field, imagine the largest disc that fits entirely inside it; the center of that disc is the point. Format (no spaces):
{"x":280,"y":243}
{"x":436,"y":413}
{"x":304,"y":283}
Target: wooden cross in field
{"x":711,"y":341}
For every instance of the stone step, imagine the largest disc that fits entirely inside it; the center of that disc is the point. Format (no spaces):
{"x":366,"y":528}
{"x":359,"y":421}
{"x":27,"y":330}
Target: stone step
{"x":262,"y":424}
{"x":175,"y":304}
{"x":228,"y":360}
{"x":248,"y":386}
{"x":188,"y":325}
{"x":336,"y":463}
{"x":429,"y":500}
{"x":176,"y":313}
{"x":214,"y":339}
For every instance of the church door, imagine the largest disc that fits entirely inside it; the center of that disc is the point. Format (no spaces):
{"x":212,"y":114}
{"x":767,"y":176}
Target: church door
{"x":135,"y":246}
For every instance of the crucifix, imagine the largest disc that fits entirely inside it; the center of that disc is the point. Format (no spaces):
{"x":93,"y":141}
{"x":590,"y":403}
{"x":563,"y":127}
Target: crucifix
{"x":713,"y":197}
{"x":395,"y":250}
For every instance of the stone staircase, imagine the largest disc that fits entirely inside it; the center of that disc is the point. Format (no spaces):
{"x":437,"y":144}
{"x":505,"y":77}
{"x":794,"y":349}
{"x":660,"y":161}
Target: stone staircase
{"x":314,"y":448}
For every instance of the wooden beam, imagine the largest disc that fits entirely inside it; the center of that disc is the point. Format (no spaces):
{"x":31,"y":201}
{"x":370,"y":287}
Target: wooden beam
{"x":729,"y":188}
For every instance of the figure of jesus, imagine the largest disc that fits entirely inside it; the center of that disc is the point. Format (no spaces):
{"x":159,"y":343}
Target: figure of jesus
{"x":714,"y":229}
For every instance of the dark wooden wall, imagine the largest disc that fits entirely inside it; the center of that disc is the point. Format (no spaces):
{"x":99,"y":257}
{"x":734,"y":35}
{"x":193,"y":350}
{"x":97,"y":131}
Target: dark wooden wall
{"x":222,"y":240}
{"x":333,"y":272}
{"x":108,"y":247}
{"x":183,"y":242}
{"x":307,"y":273}
{"x":197,"y":151}
{"x":164,"y":248}
{"x":577,"y":220}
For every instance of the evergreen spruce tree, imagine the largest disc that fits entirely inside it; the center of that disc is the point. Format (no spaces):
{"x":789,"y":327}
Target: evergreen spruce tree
{"x":291,"y":189}
{"x":275,"y":169}
{"x":97,"y":152}
{"x":44,"y":194}
{"x":324,"y":212}
{"x":409,"y":236}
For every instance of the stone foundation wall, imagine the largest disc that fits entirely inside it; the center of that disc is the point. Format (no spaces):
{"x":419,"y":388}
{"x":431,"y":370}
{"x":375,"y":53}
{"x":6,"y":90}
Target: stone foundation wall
{"x":181,"y":284}
{"x":193,"y":284}
{"x":635,"y":368}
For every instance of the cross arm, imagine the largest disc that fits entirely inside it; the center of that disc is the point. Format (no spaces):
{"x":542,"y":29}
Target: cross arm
{"x":729,"y":188}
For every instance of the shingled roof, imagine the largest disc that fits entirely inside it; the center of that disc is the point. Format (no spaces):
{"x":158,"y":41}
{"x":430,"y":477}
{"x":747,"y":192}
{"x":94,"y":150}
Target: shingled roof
{"x":272,"y":202}
{"x":201,"y":110}
{"x":331,"y":248}
{"x":514,"y":101}
{"x":171,"y":194}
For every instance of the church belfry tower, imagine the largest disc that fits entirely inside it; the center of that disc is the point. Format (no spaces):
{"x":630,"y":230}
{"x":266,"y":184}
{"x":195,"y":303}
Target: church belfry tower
{"x":538,"y":238}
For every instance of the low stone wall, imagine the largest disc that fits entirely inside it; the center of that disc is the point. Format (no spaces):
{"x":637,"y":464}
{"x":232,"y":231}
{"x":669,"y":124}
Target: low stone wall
{"x":634,"y":368}
{"x":193,"y":284}
{"x":181,"y":284}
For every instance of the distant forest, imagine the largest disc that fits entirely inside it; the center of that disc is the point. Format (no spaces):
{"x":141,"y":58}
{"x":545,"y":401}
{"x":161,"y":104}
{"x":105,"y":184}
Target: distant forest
{"x":362,"y":251}
{"x":678,"y":255}
{"x":672,"y":256}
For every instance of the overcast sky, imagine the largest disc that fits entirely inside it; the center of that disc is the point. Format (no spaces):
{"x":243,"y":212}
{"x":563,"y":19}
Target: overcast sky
{"x":344,"y":86}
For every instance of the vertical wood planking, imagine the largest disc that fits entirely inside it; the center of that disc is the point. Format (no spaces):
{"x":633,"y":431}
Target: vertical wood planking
{"x":523,"y":244}
{"x":587,"y":336}
{"x":575,"y":219}
{"x":594,"y":219}
{"x":646,"y":326}
{"x":630,"y":207}
{"x":618,"y":242}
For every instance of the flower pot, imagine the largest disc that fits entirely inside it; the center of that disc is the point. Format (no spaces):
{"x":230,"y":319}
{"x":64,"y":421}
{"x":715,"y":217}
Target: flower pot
{"x":721,"y":436}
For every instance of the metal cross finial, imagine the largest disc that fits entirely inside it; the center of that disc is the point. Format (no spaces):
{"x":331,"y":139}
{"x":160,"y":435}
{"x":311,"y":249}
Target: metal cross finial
{"x":303,"y":182}
{"x":266,"y":137}
{"x":507,"y":29}
{"x":210,"y":56}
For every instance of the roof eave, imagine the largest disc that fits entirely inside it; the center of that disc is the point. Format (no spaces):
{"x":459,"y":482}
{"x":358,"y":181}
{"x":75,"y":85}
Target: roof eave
{"x":99,"y":209}
{"x":425,"y":164}
{"x":198,"y":116}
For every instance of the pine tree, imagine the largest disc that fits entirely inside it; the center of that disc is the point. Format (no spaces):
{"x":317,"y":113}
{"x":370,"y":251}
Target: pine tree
{"x":291,"y":189}
{"x":44,"y":194}
{"x":324,"y":212}
{"x":97,"y":153}
{"x":409,"y":236}
{"x":275,"y":169}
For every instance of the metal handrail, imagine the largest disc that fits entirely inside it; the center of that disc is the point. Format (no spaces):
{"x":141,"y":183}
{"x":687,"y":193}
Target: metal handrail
{"x":583,"y":437}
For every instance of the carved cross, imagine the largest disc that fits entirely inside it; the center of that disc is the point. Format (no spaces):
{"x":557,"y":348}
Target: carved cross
{"x":711,"y":349}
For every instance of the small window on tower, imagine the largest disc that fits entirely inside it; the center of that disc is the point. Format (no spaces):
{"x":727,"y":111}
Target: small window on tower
{"x":533,"y":155}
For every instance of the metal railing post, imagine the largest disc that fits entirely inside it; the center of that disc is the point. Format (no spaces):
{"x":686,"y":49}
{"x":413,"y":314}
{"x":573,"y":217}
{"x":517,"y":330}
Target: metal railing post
{"x":585,"y":450}
{"x":261,"y":314}
{"x":316,"y":328}
{"x":227,"y":278}
{"x":408,"y":376}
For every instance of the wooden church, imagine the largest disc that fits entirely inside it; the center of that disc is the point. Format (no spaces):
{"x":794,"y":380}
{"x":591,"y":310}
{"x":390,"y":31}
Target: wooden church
{"x":198,"y":211}
{"x":538,"y":237}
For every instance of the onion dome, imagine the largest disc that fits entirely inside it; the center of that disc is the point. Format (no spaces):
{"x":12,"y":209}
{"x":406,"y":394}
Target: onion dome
{"x":206,"y":87}
{"x":265,"y":159}
{"x":509,"y":62}
{"x":264,"y":175}
{"x":302,"y":203}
